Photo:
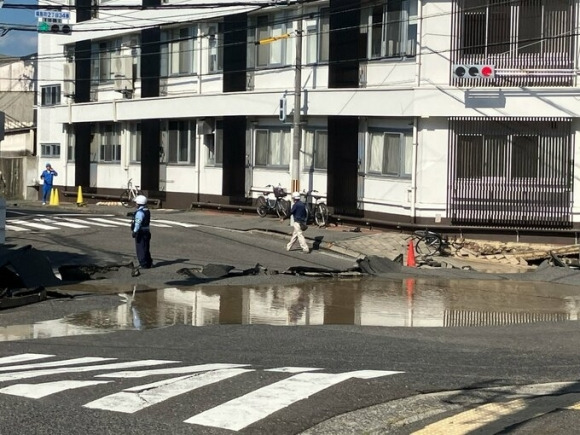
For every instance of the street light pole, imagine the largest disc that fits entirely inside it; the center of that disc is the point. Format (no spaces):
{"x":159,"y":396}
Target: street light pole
{"x":296,"y":120}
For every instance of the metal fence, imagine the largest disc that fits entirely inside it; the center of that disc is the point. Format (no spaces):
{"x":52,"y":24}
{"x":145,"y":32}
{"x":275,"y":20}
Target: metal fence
{"x":511,"y":172}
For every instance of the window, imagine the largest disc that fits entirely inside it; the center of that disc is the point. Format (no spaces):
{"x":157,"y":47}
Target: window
{"x":178,"y":53}
{"x":108,"y":140}
{"x":215,"y":145}
{"x":316,"y":149}
{"x":101,"y":65}
{"x":317,"y":37}
{"x":50,"y":150}
{"x":215,"y":48}
{"x":390,"y":153}
{"x":50,"y":95}
{"x":392,"y":28}
{"x":70,"y":143}
{"x":273,"y":147}
{"x":538,"y":26}
{"x":498,"y":156}
{"x":179,"y":139}
{"x":276,"y":53}
{"x":135,"y":141}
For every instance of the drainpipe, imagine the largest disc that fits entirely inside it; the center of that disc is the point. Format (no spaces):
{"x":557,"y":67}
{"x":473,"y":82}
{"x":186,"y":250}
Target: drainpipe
{"x":199,"y":58}
{"x":419,"y":54}
{"x":296,"y":125}
{"x":414,"y":170}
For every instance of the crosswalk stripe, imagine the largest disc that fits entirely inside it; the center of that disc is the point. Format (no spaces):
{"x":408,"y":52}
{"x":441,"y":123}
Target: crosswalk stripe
{"x":61,"y":223}
{"x":38,"y":391}
{"x":13,"y":228}
{"x":152,"y":223}
{"x":292,"y":369}
{"x":257,"y":405}
{"x":23,"y":357}
{"x":108,"y":221}
{"x":14,"y":376}
{"x":33,"y":225}
{"x":137,"y":398}
{"x":181,"y":224}
{"x":170,"y":371}
{"x":68,"y":362}
{"x":80,"y":221}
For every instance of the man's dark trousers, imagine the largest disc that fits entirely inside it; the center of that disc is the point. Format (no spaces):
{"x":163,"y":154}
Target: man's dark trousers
{"x":142,"y":244}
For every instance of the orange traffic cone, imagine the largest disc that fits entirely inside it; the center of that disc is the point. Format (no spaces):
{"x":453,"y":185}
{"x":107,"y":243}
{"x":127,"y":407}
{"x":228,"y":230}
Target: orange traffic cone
{"x":411,"y":255}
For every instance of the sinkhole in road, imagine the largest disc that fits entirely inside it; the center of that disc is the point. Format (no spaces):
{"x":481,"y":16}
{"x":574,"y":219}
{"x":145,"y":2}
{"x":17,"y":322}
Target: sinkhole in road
{"x":411,"y":302}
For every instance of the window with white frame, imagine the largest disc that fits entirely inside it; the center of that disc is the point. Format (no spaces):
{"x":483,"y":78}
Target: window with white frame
{"x":50,"y":95}
{"x":70,"y":143}
{"x":391,"y":27}
{"x":390,"y":153}
{"x":278,"y":52}
{"x":317,"y":37}
{"x":273,"y":147}
{"x":215,"y":146}
{"x":135,"y":141}
{"x":215,"y":50}
{"x":178,"y":51}
{"x":109,"y":142}
{"x":316,"y":149}
{"x":178,"y":141}
{"x":50,"y":150}
{"x":101,"y":60}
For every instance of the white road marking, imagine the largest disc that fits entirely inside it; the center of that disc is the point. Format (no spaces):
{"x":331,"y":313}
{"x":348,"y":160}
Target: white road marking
{"x":128,"y":221}
{"x":257,"y":405}
{"x":13,"y":228}
{"x":62,"y":223}
{"x":292,"y":369}
{"x":181,"y":224}
{"x":38,"y":391}
{"x":36,"y":373}
{"x":170,"y":371}
{"x":137,"y":398}
{"x":23,"y":357}
{"x":81,"y":221}
{"x":68,"y":362}
{"x":108,"y":221}
{"x":33,"y":225}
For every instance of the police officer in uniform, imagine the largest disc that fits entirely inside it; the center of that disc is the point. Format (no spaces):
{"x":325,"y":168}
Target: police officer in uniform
{"x":141,"y":232}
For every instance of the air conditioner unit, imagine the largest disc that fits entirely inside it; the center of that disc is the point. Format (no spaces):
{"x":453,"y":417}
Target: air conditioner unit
{"x":205,"y":126}
{"x":69,"y":79}
{"x":162,"y":86}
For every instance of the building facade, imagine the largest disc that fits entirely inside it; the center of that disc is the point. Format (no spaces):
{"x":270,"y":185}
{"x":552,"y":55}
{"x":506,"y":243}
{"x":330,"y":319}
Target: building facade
{"x":18,"y":162}
{"x":186,"y":101}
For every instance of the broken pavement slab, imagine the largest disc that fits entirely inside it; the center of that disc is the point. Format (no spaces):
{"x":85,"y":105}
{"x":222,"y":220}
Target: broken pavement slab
{"x":30,"y":265}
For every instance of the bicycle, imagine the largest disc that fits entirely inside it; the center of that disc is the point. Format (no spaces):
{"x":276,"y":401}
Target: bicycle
{"x":128,"y":196}
{"x":316,"y":209}
{"x":430,"y":243}
{"x":273,"y":201}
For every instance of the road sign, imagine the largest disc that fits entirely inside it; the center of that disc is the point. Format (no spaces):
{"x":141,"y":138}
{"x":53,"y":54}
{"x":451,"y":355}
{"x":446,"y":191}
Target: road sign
{"x":58,"y":15}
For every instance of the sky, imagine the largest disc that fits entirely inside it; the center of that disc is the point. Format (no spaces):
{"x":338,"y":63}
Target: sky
{"x":18,"y":43}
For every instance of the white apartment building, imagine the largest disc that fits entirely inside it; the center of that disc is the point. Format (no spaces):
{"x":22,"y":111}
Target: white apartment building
{"x":184,"y":99}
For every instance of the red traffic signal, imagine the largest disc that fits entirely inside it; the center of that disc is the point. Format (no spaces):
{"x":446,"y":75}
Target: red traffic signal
{"x":474,"y":71}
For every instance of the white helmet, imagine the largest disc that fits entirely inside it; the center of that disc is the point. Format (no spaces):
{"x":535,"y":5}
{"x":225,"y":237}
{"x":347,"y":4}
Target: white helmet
{"x":141,"y":200}
{"x":296,"y":195}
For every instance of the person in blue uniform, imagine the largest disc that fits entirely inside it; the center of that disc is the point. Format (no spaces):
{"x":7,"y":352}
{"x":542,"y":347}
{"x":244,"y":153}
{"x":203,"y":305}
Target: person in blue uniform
{"x":298,"y":213}
{"x":141,"y":232}
{"x":47,"y":176}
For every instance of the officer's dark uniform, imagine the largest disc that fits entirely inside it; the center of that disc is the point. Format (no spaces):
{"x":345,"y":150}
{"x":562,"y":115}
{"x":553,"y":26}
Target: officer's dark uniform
{"x":142,"y":236}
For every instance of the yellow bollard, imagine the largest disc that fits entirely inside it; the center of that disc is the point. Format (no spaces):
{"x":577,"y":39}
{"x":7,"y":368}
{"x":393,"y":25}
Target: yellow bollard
{"x":80,"y":200}
{"x":51,"y":201}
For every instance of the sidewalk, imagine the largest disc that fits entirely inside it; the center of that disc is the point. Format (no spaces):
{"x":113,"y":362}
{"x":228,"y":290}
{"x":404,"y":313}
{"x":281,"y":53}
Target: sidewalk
{"x":351,"y":240}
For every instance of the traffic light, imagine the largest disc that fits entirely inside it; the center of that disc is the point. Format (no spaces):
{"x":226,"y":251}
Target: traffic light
{"x":58,"y":28}
{"x":474,"y":71}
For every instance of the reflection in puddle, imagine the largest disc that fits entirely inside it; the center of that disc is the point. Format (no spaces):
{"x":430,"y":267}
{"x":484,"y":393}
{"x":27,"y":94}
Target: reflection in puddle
{"x":368,"y":302}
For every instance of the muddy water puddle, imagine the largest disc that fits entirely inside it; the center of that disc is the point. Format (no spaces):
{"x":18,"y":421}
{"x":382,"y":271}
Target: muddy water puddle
{"x":365,"y":302}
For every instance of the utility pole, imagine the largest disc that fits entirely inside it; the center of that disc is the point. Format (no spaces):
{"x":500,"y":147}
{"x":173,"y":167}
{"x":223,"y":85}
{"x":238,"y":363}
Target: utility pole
{"x":296,"y":120}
